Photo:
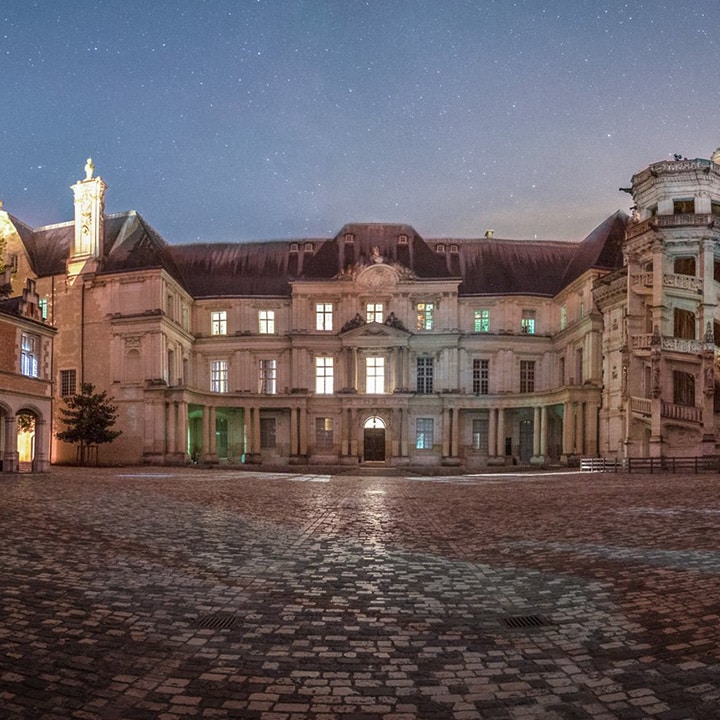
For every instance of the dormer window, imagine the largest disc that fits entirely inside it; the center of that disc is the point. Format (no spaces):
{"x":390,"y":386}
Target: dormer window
{"x":440,"y":248}
{"x":294,"y":247}
{"x":308,"y":247}
{"x":454,"y":249}
{"x":349,"y":238}
{"x":402,"y":239}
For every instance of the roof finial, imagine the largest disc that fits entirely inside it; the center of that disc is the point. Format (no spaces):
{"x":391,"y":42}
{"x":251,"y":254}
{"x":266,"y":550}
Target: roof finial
{"x":89,"y":169}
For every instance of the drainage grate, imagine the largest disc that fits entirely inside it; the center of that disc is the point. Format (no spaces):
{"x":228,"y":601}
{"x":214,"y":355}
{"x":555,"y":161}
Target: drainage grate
{"x":218,"y":621}
{"x":526,"y":621}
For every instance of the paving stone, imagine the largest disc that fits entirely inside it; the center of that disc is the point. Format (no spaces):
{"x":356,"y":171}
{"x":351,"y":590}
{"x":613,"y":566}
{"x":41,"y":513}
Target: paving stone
{"x":234,"y":594}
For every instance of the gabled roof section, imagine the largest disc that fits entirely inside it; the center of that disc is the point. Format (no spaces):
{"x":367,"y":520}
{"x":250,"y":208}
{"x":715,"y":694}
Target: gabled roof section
{"x":47,"y":247}
{"x":234,"y":269}
{"x":357,"y":244}
{"x":601,"y":249}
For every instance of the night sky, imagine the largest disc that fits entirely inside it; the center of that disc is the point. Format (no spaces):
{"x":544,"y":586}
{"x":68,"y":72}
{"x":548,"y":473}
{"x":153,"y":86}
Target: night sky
{"x":252,"y":120}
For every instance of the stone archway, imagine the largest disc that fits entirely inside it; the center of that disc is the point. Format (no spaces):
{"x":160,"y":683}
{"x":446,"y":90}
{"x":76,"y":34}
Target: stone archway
{"x":374,"y":439}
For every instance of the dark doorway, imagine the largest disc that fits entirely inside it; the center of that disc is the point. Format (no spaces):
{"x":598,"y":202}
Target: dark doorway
{"x":526,"y":441}
{"x":374,"y":442}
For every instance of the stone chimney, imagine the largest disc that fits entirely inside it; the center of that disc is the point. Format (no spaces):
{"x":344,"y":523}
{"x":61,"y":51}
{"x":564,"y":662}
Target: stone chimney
{"x":87,"y":248}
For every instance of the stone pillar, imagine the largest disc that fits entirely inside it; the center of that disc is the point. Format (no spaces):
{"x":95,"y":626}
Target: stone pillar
{"x":568,"y":431}
{"x":499,"y":458}
{"x":455,"y":433}
{"x":354,"y":451}
{"x":538,"y":457}
{"x":543,"y":431}
{"x":40,"y":460}
{"x":182,"y":429}
{"x":303,"y":431}
{"x":402,"y":431}
{"x":580,"y":429}
{"x":446,"y":419}
{"x":492,"y":433}
{"x":591,"y":429}
{"x":171,"y":410}
{"x":294,"y":431}
{"x":10,"y":456}
{"x":209,"y":444}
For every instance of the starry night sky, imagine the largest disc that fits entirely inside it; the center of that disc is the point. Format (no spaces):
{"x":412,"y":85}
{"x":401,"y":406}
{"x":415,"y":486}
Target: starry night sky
{"x":224,"y":120}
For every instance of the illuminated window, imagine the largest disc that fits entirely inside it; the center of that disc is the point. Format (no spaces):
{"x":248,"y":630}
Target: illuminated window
{"x":324,"y":433}
{"x":266,"y":321}
{"x":29,"y":359}
{"x":527,"y":376}
{"x":43,"y":305}
{"x":481,"y":377}
{"x":375,"y":375}
{"x":424,"y":433}
{"x":268,"y":377}
{"x":425,"y":315}
{"x":425,"y":375}
{"x":218,"y":322}
{"x":374,"y":312}
{"x":68,"y":382}
{"x":219,"y":376}
{"x":324,"y":375}
{"x":481,"y":320}
{"x":527,"y":324}
{"x":323,"y":316}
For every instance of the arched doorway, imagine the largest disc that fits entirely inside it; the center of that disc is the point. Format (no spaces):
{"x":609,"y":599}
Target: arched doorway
{"x":374,"y":439}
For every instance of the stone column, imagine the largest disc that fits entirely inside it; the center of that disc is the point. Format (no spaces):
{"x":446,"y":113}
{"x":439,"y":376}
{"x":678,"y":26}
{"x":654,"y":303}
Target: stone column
{"x":182,"y":429}
{"x":537,"y":454}
{"x":543,"y":431}
{"x":499,"y":458}
{"x":455,"y":433}
{"x":353,"y":433}
{"x":492,"y":433}
{"x":294,"y":431}
{"x":580,"y":429}
{"x":568,"y":430}
{"x":303,"y":431}
{"x":591,"y":429}
{"x":10,"y":455}
{"x":40,"y":460}
{"x":171,"y":410}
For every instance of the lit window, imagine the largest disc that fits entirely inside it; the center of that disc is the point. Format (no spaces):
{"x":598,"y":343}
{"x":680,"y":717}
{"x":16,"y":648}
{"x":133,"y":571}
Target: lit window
{"x":481,"y":377}
{"x":480,"y":434}
{"x":374,"y":312}
{"x":527,"y":376}
{"x":266,"y":320}
{"x":425,"y":315}
{"x":424,"y":433}
{"x":323,"y":316}
{"x":324,"y":375}
{"x":218,"y":322}
{"x":424,"y":375}
{"x":219,"y":376}
{"x":481,"y":320}
{"x":68,"y":382}
{"x":323,"y":433}
{"x":268,"y":377}
{"x":268,"y":433}
{"x":29,"y":357}
{"x":375,"y":375}
{"x":43,"y":305}
{"x":527,"y":324}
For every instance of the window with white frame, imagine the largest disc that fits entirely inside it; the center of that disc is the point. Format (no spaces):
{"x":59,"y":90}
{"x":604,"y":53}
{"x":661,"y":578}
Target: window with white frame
{"x":527,"y":323}
{"x":374,"y":312}
{"x":424,"y":375}
{"x":375,"y":375}
{"x":219,"y":376}
{"x":30,"y":354}
{"x":324,"y":432}
{"x":266,"y":322}
{"x":324,"y":375}
{"x":423,"y":433}
{"x":68,"y":382}
{"x":218,"y":322}
{"x":425,"y":312}
{"x":268,"y":376}
{"x":481,"y":320}
{"x":481,"y":376}
{"x":323,"y":316}
{"x":43,"y":305}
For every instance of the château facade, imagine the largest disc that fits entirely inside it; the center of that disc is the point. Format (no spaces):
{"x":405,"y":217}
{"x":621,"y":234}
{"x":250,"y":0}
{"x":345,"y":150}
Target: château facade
{"x":380,"y":346}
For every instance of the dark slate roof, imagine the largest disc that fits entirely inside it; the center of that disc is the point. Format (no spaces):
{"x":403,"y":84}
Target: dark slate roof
{"x":234,"y":269}
{"x":485,"y":266}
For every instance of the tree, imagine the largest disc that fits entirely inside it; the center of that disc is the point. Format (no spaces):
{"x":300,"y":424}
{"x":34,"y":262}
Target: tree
{"x":89,"y":417}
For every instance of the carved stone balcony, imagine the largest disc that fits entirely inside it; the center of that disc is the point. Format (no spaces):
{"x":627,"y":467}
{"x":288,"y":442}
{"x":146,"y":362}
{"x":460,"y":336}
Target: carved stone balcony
{"x":683,"y":282}
{"x":671,"y":344}
{"x":640,"y":405}
{"x":670,"y":221}
{"x":682,"y":412}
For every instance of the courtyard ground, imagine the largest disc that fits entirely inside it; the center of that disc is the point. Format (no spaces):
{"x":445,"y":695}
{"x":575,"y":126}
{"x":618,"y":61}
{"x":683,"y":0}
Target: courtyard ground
{"x":139,"y":594}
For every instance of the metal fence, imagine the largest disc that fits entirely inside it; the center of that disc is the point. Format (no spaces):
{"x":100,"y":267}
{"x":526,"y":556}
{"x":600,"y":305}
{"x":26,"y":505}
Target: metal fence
{"x":651,"y":464}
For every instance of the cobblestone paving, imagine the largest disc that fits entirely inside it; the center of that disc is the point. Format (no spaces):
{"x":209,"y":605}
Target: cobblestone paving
{"x":131,"y":594}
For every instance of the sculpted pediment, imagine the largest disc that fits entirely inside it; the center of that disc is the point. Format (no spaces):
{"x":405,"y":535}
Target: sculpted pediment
{"x":375,"y":330}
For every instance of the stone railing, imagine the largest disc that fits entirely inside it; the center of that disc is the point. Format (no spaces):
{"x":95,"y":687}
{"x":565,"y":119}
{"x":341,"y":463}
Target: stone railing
{"x":640,"y":405}
{"x":669,"y":221}
{"x":681,"y":412}
{"x":644,"y":279}
{"x":673,"y":344}
{"x":641,"y":342}
{"x":683,"y":282}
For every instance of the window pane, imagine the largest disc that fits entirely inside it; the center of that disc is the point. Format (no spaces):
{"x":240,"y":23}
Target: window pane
{"x":323,"y":316}
{"x":480,"y":434}
{"x":267,"y":433}
{"x":323,"y":432}
{"x":29,"y":356}
{"x":425,"y":315}
{"x":218,"y":322}
{"x":481,"y":377}
{"x":481,"y":321}
{"x":527,"y":376}
{"x":528,"y":322}
{"x":266,"y":322}
{"x":268,"y":377}
{"x":68,"y":380}
{"x":424,"y":433}
{"x":219,"y":376}
{"x":424,"y":375}
{"x":323,"y":375}
{"x":375,"y":375}
{"x":374,"y":312}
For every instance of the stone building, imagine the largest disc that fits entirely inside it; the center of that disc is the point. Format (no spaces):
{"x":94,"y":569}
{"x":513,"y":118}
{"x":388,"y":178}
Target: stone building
{"x":381,"y":346}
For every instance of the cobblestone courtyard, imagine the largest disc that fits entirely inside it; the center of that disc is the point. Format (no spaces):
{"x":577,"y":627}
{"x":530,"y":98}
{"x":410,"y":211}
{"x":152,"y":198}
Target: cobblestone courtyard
{"x":131,"y":594}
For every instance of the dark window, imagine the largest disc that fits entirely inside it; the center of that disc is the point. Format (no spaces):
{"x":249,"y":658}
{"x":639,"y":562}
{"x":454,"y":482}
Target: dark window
{"x":480,"y":434}
{"x":684,"y":266}
{"x":684,"y":324}
{"x":323,"y":432}
{"x":481,"y":377}
{"x":268,"y":433}
{"x":527,"y":376}
{"x":68,"y":382}
{"x":683,"y":388}
{"x":424,"y":375}
{"x":683,"y":207}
